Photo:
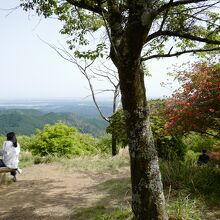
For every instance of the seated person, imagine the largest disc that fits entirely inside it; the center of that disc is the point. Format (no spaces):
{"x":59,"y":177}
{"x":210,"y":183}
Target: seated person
{"x":10,"y":154}
{"x":203,"y":158}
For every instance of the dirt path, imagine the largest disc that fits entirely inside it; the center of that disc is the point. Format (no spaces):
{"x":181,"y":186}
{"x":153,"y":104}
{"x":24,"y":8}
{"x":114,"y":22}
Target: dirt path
{"x":49,"y":191}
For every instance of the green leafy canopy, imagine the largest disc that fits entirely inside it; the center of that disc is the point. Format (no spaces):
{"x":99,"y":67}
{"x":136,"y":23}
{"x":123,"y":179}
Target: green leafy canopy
{"x":177,"y":26}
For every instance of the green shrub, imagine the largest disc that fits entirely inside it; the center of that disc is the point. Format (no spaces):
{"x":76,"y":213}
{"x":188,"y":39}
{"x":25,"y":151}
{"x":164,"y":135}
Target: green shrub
{"x":62,"y":140}
{"x":25,"y":142}
{"x":191,"y":157}
{"x":105,"y":144}
{"x":2,"y":139}
{"x":198,"y":142}
{"x":169,"y":147}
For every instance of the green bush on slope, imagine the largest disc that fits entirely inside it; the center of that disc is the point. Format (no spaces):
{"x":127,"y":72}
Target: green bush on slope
{"x":61,"y":140}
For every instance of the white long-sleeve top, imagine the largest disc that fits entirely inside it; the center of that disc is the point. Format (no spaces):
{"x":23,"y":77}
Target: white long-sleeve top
{"x":11,"y":154}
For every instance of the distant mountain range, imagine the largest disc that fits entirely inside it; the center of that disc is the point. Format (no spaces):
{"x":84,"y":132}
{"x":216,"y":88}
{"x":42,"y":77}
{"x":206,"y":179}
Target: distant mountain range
{"x":24,"y":117}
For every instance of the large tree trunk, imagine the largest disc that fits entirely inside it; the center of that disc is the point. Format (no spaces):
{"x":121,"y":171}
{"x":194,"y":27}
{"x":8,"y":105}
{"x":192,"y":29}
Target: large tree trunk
{"x":148,"y":201}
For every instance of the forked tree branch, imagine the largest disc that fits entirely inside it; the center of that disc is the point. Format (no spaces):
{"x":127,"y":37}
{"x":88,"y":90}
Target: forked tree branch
{"x":182,"y":35}
{"x":190,"y":37}
{"x":104,"y":76}
{"x":179,"y":53}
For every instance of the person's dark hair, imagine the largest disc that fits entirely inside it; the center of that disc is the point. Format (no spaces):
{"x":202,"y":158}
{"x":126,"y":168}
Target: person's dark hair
{"x":12,"y":137}
{"x":204,"y":151}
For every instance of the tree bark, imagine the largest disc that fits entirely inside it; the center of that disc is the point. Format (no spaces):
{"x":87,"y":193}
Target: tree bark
{"x":148,"y":202}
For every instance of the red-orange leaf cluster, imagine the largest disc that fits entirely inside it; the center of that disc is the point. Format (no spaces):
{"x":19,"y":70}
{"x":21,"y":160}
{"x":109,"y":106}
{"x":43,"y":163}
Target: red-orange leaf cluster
{"x":196,"y":105}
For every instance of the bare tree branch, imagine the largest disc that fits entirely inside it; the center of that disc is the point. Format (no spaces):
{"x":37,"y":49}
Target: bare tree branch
{"x":104,"y":76}
{"x":107,"y":73}
{"x":94,"y":98}
{"x":111,"y":72}
{"x":11,"y":10}
{"x":83,"y":69}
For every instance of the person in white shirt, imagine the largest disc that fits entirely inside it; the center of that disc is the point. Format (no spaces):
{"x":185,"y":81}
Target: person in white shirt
{"x":10,"y":154}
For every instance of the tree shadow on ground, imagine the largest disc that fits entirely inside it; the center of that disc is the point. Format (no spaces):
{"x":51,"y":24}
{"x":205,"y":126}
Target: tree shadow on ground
{"x":37,"y":199}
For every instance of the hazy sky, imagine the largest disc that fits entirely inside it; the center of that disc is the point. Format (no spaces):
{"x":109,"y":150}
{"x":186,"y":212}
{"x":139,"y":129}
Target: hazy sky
{"x":31,"y":69}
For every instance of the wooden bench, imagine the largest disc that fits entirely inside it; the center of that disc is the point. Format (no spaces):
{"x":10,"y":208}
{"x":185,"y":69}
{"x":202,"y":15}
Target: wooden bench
{"x":3,"y":178}
{"x":5,"y":169}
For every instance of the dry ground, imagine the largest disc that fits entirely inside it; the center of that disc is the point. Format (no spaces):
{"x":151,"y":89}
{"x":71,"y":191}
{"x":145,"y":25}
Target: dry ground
{"x":49,"y":191}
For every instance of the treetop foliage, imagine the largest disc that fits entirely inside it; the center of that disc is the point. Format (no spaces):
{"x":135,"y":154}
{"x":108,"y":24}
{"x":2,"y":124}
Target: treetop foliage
{"x":187,"y":25}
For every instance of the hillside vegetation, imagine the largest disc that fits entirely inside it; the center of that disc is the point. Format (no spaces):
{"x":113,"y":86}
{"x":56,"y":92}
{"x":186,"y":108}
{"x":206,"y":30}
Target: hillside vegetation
{"x":26,"y":121}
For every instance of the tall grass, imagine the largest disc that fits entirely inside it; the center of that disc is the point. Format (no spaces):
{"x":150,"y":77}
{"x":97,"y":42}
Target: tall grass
{"x":95,"y":163}
{"x":197,"y":180}
{"x":182,"y":207}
